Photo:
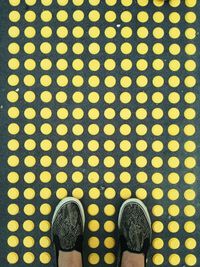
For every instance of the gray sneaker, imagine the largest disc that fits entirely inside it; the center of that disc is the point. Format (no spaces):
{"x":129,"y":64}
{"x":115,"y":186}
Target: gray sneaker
{"x":68,"y":226}
{"x":134,"y":225}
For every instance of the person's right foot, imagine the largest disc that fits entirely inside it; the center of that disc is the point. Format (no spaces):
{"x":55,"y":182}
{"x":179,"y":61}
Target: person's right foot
{"x":135,"y":227}
{"x":68,"y":226}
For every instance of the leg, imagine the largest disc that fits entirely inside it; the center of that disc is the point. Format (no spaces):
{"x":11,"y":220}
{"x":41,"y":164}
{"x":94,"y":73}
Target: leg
{"x":67,"y":232}
{"x":70,"y":259}
{"x":135,"y":233}
{"x":132,"y":259}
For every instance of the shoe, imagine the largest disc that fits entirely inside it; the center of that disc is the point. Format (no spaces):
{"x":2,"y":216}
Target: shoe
{"x":134,"y":225}
{"x":68,"y":224}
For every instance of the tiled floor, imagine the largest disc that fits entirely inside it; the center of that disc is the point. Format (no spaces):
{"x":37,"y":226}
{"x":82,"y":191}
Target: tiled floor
{"x":100,"y":100}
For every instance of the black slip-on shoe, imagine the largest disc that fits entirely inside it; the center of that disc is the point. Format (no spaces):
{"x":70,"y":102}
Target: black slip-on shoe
{"x":68,"y":224}
{"x":134,"y":225}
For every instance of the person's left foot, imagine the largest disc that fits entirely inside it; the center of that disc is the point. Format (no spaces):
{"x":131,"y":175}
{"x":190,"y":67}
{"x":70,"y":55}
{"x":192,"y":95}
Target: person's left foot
{"x":135,"y":227}
{"x":68,"y":225}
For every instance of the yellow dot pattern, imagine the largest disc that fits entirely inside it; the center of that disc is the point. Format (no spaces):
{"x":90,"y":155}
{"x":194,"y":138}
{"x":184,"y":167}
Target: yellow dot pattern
{"x":100,"y":104}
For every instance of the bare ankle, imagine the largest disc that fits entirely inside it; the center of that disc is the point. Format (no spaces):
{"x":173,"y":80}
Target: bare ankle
{"x":70,"y":259}
{"x":132,"y":259}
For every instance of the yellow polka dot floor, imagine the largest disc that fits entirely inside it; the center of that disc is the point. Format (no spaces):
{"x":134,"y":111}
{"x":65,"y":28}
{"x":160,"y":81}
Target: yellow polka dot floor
{"x":99,"y":101}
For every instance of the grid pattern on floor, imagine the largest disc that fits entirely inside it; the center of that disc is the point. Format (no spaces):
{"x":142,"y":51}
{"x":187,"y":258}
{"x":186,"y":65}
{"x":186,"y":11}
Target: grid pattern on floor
{"x":99,"y":101}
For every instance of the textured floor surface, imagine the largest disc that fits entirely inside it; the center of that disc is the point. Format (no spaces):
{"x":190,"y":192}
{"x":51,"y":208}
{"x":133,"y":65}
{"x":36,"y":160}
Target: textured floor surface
{"x":99,"y":100}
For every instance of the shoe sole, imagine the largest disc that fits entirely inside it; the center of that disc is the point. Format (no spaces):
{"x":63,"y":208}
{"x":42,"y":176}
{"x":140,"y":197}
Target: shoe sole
{"x":137,"y":202}
{"x":64,"y":202}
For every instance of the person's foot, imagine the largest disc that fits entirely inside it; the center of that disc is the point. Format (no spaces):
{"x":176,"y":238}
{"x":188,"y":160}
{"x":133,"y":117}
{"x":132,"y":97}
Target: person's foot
{"x":134,"y":225}
{"x":68,"y":226}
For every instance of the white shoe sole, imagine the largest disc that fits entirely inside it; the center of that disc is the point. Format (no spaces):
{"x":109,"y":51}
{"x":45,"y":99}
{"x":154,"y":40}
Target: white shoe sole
{"x":137,"y":202}
{"x":64,"y":202}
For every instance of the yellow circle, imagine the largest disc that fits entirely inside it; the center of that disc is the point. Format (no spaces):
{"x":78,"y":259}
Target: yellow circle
{"x":125,"y":193}
{"x":29,"y":177}
{"x":109,"y":210}
{"x":46,"y":2}
{"x":109,"y":177}
{"x":13,"y":145}
{"x":189,"y":194}
{"x":109,"y":226}
{"x":190,"y":243}
{"x":157,"y":243}
{"x":189,"y":227}
{"x":77,"y":193}
{"x":45,"y":193}
{"x":157,"y":226}
{"x":173,"y":178}
{"x":173,"y":227}
{"x":142,"y":16}
{"x":94,"y":193}
{"x":12,"y":257}
{"x":158,"y":17}
{"x":61,"y":193}
{"x":13,"y":209}
{"x":45,"y":176}
{"x":157,"y":193}
{"x":125,"y":177}
{"x":45,"y":48}
{"x":158,"y":259}
{"x":141,"y":129}
{"x":13,"y":226}
{"x":173,"y":194}
{"x":29,"y":193}
{"x":14,"y":31}
{"x":109,"y":242}
{"x":93,"y":225}
{"x":141,"y":177}
{"x":158,"y":48}
{"x":141,"y":193}
{"x":189,"y":178}
{"x":62,"y":15}
{"x":28,"y":241}
{"x":174,"y":259}
{"x":13,"y":48}
{"x":189,"y":210}
{"x":93,"y":258}
{"x":28,"y":225}
{"x":13,"y":241}
{"x":191,"y":260}
{"x":109,"y":258}
{"x":190,"y":49}
{"x":141,"y":161}
{"x":93,"y":209}
{"x":190,"y":33}
{"x":93,"y":242}
{"x":174,"y":243}
{"x":61,"y":177}
{"x":28,"y":257}
{"x":45,"y":241}
{"x":45,"y":209}
{"x":29,"y":209}
{"x":44,"y":226}
{"x":13,"y":177}
{"x":173,"y":210}
{"x":93,"y":177}
{"x":157,"y":210}
{"x":45,"y":257}
{"x":62,"y":2}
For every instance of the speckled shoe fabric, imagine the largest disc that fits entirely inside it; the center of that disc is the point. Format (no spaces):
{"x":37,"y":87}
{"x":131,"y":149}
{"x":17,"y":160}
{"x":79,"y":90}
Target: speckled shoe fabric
{"x":134,"y":227}
{"x":68,"y":225}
